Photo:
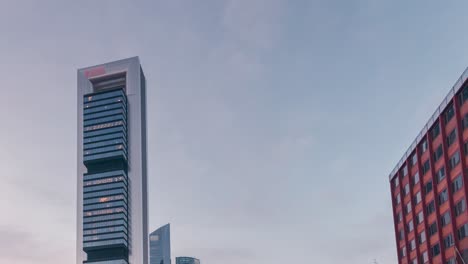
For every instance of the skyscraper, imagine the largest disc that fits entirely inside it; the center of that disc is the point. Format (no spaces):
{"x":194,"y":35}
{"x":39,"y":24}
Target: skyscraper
{"x":187,"y":260}
{"x":429,"y":188}
{"x":112,"y":182}
{"x":160,"y":245}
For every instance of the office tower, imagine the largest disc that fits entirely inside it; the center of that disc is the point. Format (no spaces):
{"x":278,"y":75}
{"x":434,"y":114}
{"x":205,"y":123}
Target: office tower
{"x":187,"y":260}
{"x":160,"y":245}
{"x":112,"y":185}
{"x":428,"y":186}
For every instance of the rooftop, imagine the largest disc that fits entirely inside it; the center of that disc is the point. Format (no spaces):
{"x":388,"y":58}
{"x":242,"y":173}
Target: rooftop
{"x":458,"y":85}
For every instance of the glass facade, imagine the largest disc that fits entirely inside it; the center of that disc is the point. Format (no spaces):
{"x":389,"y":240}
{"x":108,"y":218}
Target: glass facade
{"x":112,"y":200}
{"x":105,"y":130}
{"x":105,"y":185}
{"x":187,"y":260}
{"x":160,"y":245}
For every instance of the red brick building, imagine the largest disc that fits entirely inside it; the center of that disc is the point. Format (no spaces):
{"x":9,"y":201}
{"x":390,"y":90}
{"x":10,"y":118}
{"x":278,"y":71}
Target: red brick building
{"x":429,"y":187}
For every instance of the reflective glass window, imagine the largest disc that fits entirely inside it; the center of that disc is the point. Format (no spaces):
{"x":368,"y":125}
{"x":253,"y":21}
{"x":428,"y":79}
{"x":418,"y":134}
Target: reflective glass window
{"x":119,"y":99}
{"x":118,"y":135}
{"x":95,"y":188}
{"x":113,"y":112}
{"x":105,"y":193}
{"x":105,"y":155}
{"x":104,"y":95}
{"x":104,"y":120}
{"x":104,"y":175}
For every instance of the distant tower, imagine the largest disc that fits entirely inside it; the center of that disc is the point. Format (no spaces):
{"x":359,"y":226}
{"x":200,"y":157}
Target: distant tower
{"x":187,"y":260}
{"x":160,"y":245}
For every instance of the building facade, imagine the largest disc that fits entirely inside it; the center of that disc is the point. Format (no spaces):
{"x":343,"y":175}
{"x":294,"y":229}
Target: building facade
{"x":112,"y":181}
{"x":429,"y":189}
{"x":187,"y":260}
{"x":160,"y":245}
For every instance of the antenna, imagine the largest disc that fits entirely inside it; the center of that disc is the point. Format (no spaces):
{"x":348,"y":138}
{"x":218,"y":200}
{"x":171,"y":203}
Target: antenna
{"x":461,"y":257}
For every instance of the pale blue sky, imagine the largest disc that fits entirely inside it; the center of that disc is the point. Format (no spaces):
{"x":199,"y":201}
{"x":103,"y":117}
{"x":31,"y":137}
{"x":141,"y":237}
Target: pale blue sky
{"x":273,"y":124}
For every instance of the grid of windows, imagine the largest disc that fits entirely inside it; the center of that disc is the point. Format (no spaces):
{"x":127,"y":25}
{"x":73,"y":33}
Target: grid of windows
{"x":105,"y":186}
{"x":437,"y":223}
{"x":99,"y":206}
{"x":105,"y":118}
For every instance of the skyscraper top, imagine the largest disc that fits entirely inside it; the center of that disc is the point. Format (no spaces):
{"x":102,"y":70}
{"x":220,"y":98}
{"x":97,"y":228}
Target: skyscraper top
{"x":98,"y":69}
{"x":164,"y":227}
{"x":160,"y":245}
